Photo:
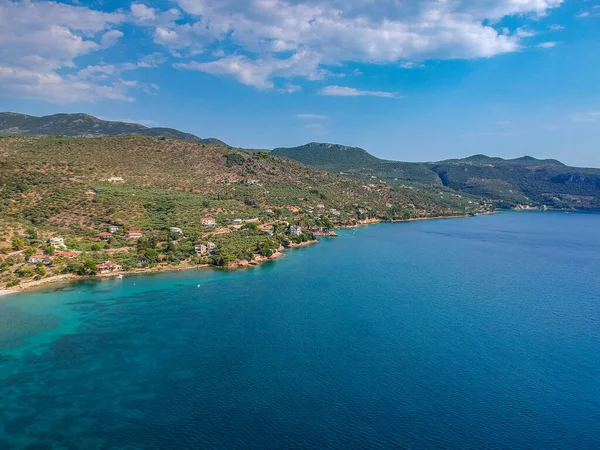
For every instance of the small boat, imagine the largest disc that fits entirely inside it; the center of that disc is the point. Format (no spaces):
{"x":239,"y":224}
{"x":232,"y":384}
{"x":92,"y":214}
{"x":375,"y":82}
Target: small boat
{"x":120,"y":277}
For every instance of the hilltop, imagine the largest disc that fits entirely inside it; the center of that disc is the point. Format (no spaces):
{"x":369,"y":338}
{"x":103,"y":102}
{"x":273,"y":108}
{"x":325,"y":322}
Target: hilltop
{"x":84,"y":125}
{"x":508,"y":182}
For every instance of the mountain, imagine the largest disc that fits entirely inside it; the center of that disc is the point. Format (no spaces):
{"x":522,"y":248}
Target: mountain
{"x":84,"y":125}
{"x":354,"y":161}
{"x":508,"y":182}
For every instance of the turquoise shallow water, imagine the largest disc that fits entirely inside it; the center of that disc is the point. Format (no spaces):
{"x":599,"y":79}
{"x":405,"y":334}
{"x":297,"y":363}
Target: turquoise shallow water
{"x":474,"y":333}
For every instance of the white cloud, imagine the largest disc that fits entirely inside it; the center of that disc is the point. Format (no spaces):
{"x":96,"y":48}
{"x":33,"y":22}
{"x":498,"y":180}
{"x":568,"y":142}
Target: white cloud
{"x":40,"y":43}
{"x":556,"y":27}
{"x":258,"y":72}
{"x":311,"y":116}
{"x":343,"y":91}
{"x":547,"y":45}
{"x":523,"y":32}
{"x":110,"y":38}
{"x":411,"y":65}
{"x":143,"y":12}
{"x":290,"y":88}
{"x":583,"y":15}
{"x":335,"y":32}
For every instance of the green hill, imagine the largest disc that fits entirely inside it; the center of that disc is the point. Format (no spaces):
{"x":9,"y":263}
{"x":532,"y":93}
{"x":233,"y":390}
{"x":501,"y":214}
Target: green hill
{"x":354,"y":161}
{"x":508,"y":182}
{"x":84,"y":125}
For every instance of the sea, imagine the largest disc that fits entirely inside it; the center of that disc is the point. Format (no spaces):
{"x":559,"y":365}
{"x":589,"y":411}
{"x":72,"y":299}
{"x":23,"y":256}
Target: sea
{"x":476,"y":333}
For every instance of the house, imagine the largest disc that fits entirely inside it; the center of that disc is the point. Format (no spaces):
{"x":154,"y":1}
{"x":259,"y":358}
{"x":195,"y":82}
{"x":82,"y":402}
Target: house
{"x":175,"y":230}
{"x":236,"y":221}
{"x":294,"y":209}
{"x":108,"y":266}
{"x":67,"y":255}
{"x":320,"y":206}
{"x":37,"y":259}
{"x":113,"y":229}
{"x":295,"y":231}
{"x":335,"y":212}
{"x":269,"y":232}
{"x":57,"y":242}
{"x":200,"y":249}
{"x":208,"y":221}
{"x":252,"y":181}
{"x":134,"y":234}
{"x":105,"y":236}
{"x":211,"y":247}
{"x":269,"y":211}
{"x":141,"y":260}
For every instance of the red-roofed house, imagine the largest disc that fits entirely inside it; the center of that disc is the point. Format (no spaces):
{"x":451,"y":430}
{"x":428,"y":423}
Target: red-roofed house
{"x":134,"y":234}
{"x":108,"y":266}
{"x":105,"y":236}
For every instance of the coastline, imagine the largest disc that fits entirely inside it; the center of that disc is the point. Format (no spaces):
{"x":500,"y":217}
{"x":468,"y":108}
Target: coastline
{"x":235,"y":265}
{"x":69,"y":278}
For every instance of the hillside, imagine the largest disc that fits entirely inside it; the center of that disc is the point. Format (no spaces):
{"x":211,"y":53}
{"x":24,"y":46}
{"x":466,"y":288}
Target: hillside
{"x":508,"y":182}
{"x":354,"y":161}
{"x":13,"y":124}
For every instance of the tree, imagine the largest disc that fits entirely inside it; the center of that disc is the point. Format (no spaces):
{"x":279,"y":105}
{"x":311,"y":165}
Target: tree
{"x":252,"y":226}
{"x":17,"y":243}
{"x":95,"y":247}
{"x":90,"y":266}
{"x":151,"y":254}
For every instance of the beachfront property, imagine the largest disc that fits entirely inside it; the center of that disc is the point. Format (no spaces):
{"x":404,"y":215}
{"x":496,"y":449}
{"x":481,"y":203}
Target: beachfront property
{"x":176,"y":230}
{"x":142,"y":261}
{"x":113,"y":229}
{"x":134,"y":234}
{"x":295,"y":231}
{"x":35,"y":259}
{"x":200,"y":249}
{"x":57,"y":242}
{"x":108,"y":266}
{"x":104,"y":236}
{"x":208,"y":221}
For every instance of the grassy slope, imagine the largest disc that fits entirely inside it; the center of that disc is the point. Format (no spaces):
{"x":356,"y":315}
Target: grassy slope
{"x":57,"y":182}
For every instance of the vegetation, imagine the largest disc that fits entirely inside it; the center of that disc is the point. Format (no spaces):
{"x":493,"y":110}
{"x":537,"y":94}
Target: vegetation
{"x":76,"y":188}
{"x":13,"y":124}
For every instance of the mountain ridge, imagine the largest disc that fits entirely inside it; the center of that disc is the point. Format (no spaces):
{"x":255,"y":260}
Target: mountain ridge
{"x":86,"y":125}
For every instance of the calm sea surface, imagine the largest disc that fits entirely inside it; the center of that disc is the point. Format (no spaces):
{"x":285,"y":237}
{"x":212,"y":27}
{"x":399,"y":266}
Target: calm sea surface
{"x":471,"y":333}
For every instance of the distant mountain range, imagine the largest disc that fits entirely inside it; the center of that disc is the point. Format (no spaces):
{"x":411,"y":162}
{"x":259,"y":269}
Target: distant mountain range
{"x":84,"y":125}
{"x":509,"y":182}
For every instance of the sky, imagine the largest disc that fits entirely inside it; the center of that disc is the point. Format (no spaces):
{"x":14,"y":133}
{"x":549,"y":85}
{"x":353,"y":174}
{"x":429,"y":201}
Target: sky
{"x":404,"y":79}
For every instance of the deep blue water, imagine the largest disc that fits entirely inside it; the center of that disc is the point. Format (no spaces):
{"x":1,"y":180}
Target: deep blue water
{"x":471,"y":333}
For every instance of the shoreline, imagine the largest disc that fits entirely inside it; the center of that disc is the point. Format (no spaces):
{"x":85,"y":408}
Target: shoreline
{"x":235,"y":265}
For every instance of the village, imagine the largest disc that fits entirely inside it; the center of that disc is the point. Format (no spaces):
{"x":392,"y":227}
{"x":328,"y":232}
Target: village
{"x":230,"y":242}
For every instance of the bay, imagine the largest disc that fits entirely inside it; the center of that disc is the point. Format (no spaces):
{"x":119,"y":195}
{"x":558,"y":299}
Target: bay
{"x":468,"y":333}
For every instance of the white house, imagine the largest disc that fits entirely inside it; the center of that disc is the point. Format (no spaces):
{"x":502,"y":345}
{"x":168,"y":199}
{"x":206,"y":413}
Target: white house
{"x":200,"y":249}
{"x":295,"y":231}
{"x":320,"y":206}
{"x":211,"y":246}
{"x":252,"y":181}
{"x":113,"y":229}
{"x":208,"y":221}
{"x":37,"y":259}
{"x":236,"y":221}
{"x":175,"y":230}
{"x":57,"y":242}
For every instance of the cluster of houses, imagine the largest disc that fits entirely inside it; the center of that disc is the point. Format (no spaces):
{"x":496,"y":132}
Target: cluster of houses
{"x":47,"y":259}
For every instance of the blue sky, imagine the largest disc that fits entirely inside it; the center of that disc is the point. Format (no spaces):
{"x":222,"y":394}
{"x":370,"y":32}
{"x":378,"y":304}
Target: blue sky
{"x":407,"y":80}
